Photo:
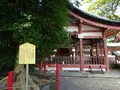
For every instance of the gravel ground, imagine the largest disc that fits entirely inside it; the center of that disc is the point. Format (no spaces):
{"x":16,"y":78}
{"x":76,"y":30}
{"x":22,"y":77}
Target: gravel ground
{"x":76,"y":83}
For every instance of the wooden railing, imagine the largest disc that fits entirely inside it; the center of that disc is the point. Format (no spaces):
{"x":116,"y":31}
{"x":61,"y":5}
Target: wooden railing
{"x":74,"y":60}
{"x":63,"y":60}
{"x":94,"y":60}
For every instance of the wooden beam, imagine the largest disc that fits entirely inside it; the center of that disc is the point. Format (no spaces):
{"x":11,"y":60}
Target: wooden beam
{"x":92,"y":30}
{"x":92,"y":37}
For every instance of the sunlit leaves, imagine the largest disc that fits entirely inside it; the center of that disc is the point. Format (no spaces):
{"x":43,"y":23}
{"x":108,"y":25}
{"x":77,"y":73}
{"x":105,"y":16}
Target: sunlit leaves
{"x":87,"y":1}
{"x":105,"y":8}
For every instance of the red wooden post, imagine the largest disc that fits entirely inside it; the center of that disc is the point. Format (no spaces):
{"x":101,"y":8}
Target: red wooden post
{"x":92,"y":54}
{"x":106,"y":55}
{"x":97,"y":49}
{"x":81,"y":55}
{"x":100,"y":51}
{"x":97,"y":53}
{"x":57,"y":77}
{"x":44,"y":67}
{"x":10,"y":80}
{"x":81,"y":47}
{"x":40,"y":66}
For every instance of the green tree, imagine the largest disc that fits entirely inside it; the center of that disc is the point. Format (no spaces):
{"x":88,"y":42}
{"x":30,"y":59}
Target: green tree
{"x":105,"y":8}
{"x":39,"y":22}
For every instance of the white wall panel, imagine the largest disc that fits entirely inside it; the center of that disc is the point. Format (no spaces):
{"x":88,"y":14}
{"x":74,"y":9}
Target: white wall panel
{"x":86,"y":27}
{"x":92,"y":33}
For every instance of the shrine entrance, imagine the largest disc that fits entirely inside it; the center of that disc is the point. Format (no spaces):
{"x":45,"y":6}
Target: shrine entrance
{"x":89,"y":49}
{"x":69,"y":58}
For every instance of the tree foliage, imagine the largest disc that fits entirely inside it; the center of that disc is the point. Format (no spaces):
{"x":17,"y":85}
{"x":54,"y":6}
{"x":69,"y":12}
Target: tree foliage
{"x":105,"y":8}
{"x":34,"y":21}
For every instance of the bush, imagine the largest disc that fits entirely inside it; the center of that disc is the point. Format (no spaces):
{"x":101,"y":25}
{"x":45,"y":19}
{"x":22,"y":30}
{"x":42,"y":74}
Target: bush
{"x":115,"y":66}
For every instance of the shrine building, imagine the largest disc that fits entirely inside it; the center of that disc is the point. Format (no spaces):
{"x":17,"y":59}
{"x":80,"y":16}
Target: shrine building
{"x":88,"y":50}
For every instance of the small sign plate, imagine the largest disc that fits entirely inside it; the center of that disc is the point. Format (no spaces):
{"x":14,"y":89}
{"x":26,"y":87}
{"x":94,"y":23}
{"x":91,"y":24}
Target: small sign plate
{"x":27,"y":53}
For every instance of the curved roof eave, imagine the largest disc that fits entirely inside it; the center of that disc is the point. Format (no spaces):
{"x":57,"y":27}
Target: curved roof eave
{"x":92,"y":19}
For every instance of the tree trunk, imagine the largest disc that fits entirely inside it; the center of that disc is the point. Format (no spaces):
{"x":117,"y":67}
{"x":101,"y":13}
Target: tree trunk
{"x":19,"y":79}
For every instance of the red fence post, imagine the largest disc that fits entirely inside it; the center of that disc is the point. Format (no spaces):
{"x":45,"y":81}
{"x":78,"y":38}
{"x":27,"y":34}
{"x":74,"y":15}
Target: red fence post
{"x":10,"y":80}
{"x":57,"y":77}
{"x":40,"y":66}
{"x":44,"y":66}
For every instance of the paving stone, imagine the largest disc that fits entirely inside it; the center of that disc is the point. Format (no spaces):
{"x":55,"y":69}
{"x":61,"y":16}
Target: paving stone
{"x":75,"y":83}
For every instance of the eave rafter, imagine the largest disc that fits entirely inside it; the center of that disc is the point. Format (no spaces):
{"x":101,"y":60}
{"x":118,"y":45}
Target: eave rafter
{"x":110,"y":32}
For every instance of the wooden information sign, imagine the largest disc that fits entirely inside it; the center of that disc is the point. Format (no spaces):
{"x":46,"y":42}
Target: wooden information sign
{"x":27,"y":53}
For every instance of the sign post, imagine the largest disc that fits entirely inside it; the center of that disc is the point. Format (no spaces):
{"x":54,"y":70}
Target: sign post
{"x":44,"y":67}
{"x":27,"y":56}
{"x":27,"y":73}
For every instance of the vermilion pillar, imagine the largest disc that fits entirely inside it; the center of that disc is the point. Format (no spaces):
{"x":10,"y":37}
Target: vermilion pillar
{"x":106,"y":54}
{"x":97,"y":49}
{"x":44,"y":67}
{"x":92,"y":47}
{"x":81,"y":55}
{"x":97,"y":52}
{"x":100,"y":51}
{"x":91,"y":54}
{"x":81,"y":46}
{"x":91,"y":51}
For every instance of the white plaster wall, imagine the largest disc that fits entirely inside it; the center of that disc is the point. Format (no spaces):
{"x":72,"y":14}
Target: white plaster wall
{"x":92,"y":33}
{"x":86,"y":27}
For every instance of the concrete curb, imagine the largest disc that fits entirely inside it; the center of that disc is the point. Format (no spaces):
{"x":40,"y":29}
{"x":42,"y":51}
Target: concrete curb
{"x":93,"y":76}
{"x":87,"y":76}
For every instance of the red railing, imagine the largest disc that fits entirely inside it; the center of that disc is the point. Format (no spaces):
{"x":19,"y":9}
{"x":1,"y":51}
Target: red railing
{"x":94,"y":60}
{"x":75,"y":60}
{"x":62,"y":60}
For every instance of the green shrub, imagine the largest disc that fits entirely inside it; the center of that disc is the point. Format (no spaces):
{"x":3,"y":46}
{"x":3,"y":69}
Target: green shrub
{"x":115,"y":66}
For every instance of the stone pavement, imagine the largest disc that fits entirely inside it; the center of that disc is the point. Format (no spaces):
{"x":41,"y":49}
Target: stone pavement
{"x":87,"y":81}
{"x":76,"y":83}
